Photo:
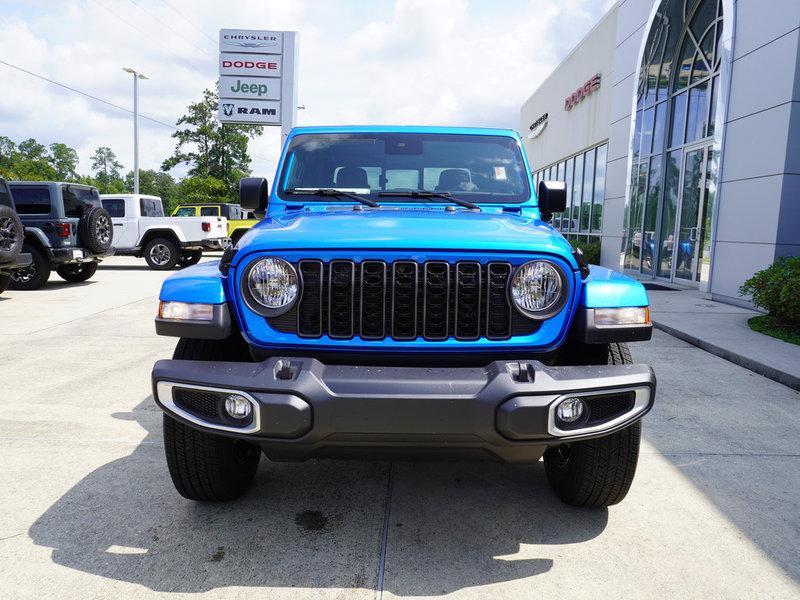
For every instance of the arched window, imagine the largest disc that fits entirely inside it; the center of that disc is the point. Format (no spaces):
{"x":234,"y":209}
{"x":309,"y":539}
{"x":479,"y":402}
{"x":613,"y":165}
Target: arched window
{"x":673,"y":166}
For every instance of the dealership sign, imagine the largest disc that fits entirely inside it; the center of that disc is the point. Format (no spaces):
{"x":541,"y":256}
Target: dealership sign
{"x":537,"y":127}
{"x":250,"y":64}
{"x":258,"y":77}
{"x":581,"y":93}
{"x":260,"y":112}
{"x":251,"y":88}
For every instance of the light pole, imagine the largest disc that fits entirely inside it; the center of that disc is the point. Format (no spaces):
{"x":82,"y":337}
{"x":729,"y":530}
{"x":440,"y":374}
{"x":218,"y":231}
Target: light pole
{"x":136,"y":77}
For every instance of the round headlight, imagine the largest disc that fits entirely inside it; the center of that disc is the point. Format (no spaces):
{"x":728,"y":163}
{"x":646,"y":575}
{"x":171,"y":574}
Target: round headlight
{"x":537,"y":289}
{"x":272,"y":283}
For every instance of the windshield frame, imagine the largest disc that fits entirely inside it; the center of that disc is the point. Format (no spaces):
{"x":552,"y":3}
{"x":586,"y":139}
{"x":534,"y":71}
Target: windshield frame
{"x":525,"y":196}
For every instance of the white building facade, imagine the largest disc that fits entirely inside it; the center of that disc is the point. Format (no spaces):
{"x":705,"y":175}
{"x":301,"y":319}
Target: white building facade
{"x":676,"y":125}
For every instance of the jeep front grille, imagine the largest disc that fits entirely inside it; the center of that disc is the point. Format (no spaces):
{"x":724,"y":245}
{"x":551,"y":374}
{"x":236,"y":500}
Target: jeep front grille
{"x":404,"y":300}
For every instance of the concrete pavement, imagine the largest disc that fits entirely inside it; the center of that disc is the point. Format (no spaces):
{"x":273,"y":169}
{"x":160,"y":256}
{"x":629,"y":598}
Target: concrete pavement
{"x":722,"y":329}
{"x":89,"y":511}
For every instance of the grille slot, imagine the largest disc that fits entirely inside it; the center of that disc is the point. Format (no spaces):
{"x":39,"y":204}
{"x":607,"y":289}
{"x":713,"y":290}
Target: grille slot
{"x":404,"y":300}
{"x":341,"y":292}
{"x":468,"y":301}
{"x":373,"y":300}
{"x":309,"y":313}
{"x":498,"y":312}
{"x":436,"y":307}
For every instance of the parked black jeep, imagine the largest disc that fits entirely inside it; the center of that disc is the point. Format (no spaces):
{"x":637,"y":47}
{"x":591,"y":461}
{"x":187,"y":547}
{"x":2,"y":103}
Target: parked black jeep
{"x":66,"y":230}
{"x":12,"y":233}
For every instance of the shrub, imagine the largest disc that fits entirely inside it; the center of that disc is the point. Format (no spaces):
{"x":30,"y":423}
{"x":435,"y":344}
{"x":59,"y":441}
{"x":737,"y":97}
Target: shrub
{"x":591,"y":250}
{"x":777,"y":289}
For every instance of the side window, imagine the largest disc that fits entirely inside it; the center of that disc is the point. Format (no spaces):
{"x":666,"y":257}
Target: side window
{"x":209,"y":211}
{"x":32,"y":200}
{"x":185,"y":211}
{"x":115,"y":207}
{"x":77,"y":200}
{"x":151,"y":208}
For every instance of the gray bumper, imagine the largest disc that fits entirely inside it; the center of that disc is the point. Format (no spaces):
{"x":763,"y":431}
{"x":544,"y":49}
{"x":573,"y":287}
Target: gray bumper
{"x":304,"y":408}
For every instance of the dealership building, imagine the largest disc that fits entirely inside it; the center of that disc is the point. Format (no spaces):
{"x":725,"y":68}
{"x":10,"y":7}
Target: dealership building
{"x":676,"y":125}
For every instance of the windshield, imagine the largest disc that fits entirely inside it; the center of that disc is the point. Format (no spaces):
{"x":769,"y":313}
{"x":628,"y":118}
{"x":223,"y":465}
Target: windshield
{"x":478,"y":168}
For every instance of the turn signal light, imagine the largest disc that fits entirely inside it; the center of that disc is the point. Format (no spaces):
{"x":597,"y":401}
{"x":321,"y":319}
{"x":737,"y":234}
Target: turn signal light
{"x":63,"y":230}
{"x":185,"y":311}
{"x":630,"y":315}
{"x":206,"y":226}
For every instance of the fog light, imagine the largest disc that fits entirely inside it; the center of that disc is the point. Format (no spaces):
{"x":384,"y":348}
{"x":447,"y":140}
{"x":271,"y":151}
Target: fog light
{"x":238,"y":407}
{"x":570,"y":410}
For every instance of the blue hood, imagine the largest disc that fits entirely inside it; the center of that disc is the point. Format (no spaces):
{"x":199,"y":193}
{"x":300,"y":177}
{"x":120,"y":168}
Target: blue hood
{"x":392,"y":228}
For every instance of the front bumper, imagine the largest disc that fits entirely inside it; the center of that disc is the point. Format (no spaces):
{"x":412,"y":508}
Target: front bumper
{"x":302,"y":408}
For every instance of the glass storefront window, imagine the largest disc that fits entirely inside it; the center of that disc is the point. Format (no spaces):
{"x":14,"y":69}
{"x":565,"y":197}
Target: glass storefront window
{"x":577,"y":194}
{"x":588,"y":188}
{"x":669,"y":211}
{"x":678,"y":120}
{"x":697,"y":113}
{"x":568,"y":179}
{"x":599,"y":188}
{"x":650,"y":213}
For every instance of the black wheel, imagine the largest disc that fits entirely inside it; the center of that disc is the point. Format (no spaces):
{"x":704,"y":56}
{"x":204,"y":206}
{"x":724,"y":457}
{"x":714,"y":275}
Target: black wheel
{"x":96,"y":230}
{"x":75,"y":273}
{"x":161,"y":254}
{"x":597,"y":472}
{"x":12,"y":234}
{"x":189,"y":258}
{"x":34,"y":276}
{"x":5,"y":280}
{"x":203,"y":466}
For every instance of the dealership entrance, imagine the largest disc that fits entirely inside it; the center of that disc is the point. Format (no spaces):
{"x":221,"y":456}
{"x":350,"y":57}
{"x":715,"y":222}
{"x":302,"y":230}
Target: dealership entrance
{"x":674,"y":148}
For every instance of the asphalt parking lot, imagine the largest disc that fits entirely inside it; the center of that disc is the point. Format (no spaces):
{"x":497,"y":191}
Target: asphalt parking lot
{"x":88,"y":510}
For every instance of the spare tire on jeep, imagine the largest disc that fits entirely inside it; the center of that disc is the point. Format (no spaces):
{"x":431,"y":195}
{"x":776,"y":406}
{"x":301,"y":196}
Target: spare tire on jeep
{"x":96,"y":230}
{"x":12,"y":234}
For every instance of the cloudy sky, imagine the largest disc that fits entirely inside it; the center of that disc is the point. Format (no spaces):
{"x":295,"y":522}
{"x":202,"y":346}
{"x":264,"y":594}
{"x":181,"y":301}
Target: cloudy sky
{"x":461,"y":62}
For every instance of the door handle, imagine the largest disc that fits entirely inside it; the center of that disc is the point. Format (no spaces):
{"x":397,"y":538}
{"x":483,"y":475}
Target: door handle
{"x":117,"y":224}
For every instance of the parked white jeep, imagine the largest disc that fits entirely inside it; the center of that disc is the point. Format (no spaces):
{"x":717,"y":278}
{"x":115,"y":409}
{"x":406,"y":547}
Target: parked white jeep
{"x":141,"y":229}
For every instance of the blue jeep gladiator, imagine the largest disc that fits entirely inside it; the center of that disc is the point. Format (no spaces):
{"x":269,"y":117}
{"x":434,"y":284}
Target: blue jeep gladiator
{"x":404,"y":296}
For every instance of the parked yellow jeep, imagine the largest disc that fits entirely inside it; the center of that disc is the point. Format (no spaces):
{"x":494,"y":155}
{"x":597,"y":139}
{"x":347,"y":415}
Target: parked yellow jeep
{"x":239,"y":219}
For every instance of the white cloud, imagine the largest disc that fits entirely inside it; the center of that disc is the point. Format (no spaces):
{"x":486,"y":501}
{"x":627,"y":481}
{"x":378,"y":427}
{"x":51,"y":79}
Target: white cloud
{"x":405,"y":62}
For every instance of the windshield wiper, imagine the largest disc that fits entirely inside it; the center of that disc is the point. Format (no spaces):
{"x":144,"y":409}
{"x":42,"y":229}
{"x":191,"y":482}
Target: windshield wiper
{"x":428,"y":194}
{"x":332,"y":193}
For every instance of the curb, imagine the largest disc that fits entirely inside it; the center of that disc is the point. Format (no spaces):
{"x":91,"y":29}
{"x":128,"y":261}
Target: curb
{"x":748,"y":363}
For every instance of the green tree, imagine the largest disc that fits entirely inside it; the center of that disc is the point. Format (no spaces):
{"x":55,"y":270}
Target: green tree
{"x":201,"y":189}
{"x":106,"y":168}
{"x":8,"y":152}
{"x":32,"y":162}
{"x":64,"y":160}
{"x":153,"y":183}
{"x":210,"y":150}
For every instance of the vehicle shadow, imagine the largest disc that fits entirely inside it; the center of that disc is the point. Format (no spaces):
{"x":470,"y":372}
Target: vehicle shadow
{"x":317,"y":524}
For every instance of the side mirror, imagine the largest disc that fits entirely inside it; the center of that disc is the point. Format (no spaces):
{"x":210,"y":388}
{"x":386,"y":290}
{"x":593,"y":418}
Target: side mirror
{"x":254,"y":193}
{"x":552,"y":198}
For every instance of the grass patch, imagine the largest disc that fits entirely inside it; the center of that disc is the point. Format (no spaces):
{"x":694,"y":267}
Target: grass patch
{"x":769,"y":325}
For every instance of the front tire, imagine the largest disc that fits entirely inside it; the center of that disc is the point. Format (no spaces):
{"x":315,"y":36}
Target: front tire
{"x":597,"y":472}
{"x":203,"y":466}
{"x":161,"y":254}
{"x":76,"y":273}
{"x":34,"y":276}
